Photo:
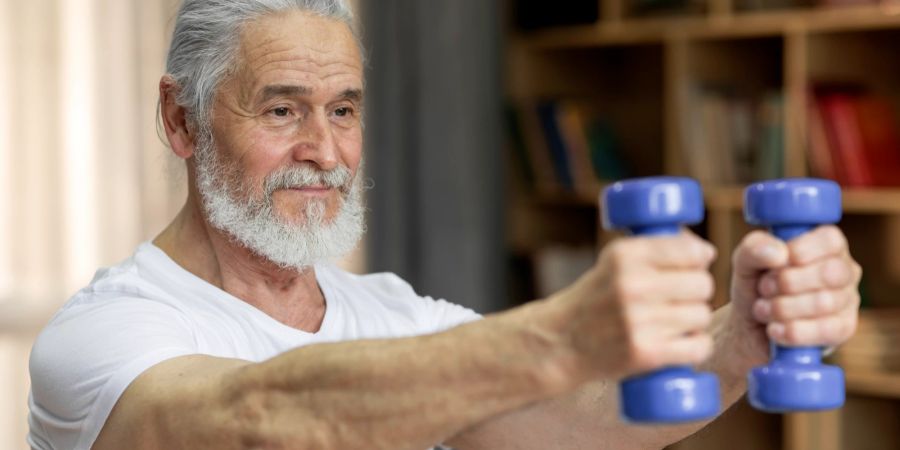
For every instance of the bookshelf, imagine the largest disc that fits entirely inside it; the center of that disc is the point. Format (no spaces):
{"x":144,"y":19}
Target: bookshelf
{"x":644,"y":75}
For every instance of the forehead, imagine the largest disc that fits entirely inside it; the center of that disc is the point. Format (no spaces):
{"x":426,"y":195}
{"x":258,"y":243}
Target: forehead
{"x":300,"y":47}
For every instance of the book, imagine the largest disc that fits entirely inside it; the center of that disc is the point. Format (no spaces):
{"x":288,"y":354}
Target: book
{"x":536,"y":148}
{"x":563,"y":146}
{"x":572,"y":128}
{"x":547,"y":114}
{"x":818,"y":151}
{"x":845,"y":139}
{"x":881,"y":142}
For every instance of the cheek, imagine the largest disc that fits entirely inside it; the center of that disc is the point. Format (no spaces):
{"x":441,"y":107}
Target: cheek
{"x":350,"y":145}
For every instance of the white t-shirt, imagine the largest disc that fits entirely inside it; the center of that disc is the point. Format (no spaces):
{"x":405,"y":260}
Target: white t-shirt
{"x":149,"y":309}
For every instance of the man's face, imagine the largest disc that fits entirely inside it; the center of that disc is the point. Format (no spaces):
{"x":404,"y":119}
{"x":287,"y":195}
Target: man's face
{"x":277,"y":170}
{"x":293,"y":100}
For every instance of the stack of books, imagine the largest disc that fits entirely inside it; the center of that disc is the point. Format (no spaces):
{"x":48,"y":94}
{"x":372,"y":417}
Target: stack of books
{"x":731,"y":137}
{"x":563,"y":146}
{"x":853,"y":138}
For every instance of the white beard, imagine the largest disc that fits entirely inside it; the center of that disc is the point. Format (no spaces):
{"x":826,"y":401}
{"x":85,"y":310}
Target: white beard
{"x":251,"y":220}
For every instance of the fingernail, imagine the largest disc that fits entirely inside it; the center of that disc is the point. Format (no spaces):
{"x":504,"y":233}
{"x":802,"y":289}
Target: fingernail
{"x":767,"y":252}
{"x":767,"y":287}
{"x":776,"y":330}
{"x":763,"y":309}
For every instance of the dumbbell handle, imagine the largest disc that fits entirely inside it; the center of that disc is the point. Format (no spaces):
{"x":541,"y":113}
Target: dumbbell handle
{"x":795,"y":355}
{"x":628,"y":386}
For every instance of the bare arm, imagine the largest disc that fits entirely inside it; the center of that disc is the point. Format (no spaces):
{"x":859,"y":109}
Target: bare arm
{"x":412,"y":393}
{"x":811,"y":299}
{"x":403,"y":393}
{"x":589,"y":417}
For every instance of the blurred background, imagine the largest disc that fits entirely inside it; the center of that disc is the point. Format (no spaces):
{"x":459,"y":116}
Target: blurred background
{"x":491,"y":127}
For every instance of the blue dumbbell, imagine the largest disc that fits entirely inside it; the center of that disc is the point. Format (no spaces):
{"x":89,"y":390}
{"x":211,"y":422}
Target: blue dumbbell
{"x":795,"y":378}
{"x":660,"y":206}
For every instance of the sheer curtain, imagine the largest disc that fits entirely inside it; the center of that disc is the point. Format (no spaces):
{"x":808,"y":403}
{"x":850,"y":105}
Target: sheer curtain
{"x":83,"y":175}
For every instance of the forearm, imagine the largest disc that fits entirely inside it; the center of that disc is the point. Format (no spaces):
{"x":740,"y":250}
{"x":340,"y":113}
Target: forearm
{"x":589,"y":417}
{"x":402,"y":393}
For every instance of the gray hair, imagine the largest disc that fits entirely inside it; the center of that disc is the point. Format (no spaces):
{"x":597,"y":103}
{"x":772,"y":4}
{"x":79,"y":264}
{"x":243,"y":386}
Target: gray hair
{"x":205,"y":42}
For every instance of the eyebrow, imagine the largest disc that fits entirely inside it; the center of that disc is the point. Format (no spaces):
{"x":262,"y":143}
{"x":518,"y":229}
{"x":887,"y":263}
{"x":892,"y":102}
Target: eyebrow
{"x":352,"y":94}
{"x":288,"y":90}
{"x":281,"y":90}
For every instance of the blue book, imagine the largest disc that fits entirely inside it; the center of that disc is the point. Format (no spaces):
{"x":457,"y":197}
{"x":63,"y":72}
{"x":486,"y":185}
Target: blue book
{"x":559,"y":155}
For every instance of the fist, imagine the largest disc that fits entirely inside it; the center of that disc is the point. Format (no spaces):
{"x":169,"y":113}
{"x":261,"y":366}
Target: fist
{"x":645,"y":304}
{"x":800,"y":293}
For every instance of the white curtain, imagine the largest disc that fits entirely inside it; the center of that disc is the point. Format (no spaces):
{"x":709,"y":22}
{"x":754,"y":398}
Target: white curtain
{"x":83,"y":175}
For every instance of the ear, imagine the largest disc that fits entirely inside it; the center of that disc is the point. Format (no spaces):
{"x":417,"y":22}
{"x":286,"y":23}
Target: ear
{"x":174,"y":119}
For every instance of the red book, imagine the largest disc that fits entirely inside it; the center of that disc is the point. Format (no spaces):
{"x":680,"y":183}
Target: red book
{"x":818,"y":150}
{"x":845,"y":139}
{"x":878,"y":125}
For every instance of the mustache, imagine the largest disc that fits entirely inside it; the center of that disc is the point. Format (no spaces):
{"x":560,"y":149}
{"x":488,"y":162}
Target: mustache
{"x":305,"y":175}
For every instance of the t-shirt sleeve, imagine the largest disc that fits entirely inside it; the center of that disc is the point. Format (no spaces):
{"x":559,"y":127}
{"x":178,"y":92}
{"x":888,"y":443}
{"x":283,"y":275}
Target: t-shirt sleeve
{"x":445,"y":315}
{"x":431,"y":315}
{"x":86,"y":357}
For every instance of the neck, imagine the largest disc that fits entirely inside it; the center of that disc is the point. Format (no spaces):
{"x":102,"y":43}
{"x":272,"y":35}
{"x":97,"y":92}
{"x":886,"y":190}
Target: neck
{"x":290,"y":296}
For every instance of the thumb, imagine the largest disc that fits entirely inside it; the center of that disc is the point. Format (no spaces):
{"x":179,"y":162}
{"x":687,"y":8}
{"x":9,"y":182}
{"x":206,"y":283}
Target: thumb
{"x":757,"y":253}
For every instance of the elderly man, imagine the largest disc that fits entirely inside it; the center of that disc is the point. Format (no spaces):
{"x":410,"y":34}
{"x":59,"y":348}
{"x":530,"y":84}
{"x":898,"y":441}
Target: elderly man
{"x":230,"y":331}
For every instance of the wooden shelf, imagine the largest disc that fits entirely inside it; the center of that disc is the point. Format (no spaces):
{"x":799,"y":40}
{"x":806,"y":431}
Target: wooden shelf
{"x":640,"y":72}
{"x":873,"y":383}
{"x":727,"y":25}
{"x":856,"y":200}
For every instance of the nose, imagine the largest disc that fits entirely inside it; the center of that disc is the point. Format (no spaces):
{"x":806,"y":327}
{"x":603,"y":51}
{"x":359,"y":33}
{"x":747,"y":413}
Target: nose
{"x":316,"y":143}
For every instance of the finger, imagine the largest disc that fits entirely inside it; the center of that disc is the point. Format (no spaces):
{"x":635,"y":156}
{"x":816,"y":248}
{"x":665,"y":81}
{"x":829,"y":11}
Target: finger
{"x":832,"y":273}
{"x":682,"y":251}
{"x":825,"y":331}
{"x":805,"y":306}
{"x":661,"y":322}
{"x":692,"y":349}
{"x":683,"y":286}
{"x":757,"y":252}
{"x":820,"y":243}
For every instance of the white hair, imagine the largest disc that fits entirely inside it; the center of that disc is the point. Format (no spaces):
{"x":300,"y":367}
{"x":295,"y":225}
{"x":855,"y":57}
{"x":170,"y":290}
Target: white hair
{"x":205,"y":43}
{"x":233,"y":205}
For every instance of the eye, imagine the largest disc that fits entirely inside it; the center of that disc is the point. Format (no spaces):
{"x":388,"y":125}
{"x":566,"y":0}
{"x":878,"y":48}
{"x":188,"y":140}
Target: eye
{"x":343,"y":111}
{"x":281,"y":111}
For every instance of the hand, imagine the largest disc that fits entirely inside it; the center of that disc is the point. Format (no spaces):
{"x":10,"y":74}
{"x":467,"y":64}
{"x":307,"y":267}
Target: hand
{"x":644,"y":305}
{"x":800,"y":293}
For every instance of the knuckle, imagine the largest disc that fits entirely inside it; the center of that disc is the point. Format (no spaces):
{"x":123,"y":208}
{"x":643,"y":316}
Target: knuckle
{"x":707,"y":285}
{"x":785,"y":280}
{"x":835,"y":272}
{"x":627,"y":289}
{"x":835,"y":237}
{"x":854,"y":299}
{"x":857,"y":271}
{"x":780,"y":310}
{"x":619,"y":253}
{"x":705,"y":316}
{"x":748,"y":243}
{"x":830,"y":330}
{"x":824,"y":302}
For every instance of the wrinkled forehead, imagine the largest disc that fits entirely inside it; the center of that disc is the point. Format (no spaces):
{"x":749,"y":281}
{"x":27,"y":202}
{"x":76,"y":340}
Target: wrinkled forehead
{"x":298,"y":44}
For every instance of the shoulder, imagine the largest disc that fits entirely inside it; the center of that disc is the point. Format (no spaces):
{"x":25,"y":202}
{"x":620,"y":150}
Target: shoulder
{"x":97,"y":343}
{"x":393,"y":294}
